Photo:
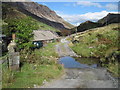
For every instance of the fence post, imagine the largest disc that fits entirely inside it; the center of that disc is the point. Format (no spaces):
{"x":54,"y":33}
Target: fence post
{"x":14,"y":61}
{"x":13,"y":57}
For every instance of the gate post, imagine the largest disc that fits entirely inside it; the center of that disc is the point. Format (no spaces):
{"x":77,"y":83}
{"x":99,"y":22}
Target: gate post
{"x":13,"y":57}
{"x":14,"y":61}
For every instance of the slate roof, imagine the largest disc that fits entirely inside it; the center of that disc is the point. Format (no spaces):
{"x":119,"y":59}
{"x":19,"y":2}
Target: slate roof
{"x":40,"y":35}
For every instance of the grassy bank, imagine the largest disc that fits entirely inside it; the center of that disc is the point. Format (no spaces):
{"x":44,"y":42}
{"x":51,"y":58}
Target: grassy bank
{"x":99,"y":43}
{"x":37,"y":67}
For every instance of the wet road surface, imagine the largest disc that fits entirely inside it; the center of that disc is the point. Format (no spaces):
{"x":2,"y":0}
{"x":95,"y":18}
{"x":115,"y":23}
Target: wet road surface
{"x":79,"y":75}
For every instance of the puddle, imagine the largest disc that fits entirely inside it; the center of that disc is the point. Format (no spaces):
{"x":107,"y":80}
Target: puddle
{"x":70,"y":62}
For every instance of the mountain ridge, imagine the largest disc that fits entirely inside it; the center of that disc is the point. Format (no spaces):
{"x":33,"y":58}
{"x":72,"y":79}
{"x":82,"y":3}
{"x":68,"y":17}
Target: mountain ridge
{"x":109,"y":19}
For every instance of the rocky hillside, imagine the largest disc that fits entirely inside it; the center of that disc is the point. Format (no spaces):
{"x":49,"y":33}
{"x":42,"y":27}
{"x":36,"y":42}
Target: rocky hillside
{"x":41,"y":13}
{"x":109,"y":19}
{"x":44,"y":12}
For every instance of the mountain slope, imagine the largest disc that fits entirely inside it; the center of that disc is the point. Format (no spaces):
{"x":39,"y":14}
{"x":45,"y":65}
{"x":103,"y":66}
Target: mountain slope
{"x":42,"y":14}
{"x":10,"y":13}
{"x":87,"y":25}
{"x":110,"y":18}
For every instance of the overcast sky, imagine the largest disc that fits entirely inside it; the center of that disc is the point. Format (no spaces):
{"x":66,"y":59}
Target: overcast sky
{"x":78,"y":12}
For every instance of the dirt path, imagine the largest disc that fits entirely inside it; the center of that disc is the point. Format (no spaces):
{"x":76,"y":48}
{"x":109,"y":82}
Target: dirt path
{"x":63,"y":49}
{"x":82,"y":77}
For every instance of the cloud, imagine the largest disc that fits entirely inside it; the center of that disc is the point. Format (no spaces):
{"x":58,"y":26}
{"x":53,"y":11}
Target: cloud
{"x":44,"y":4}
{"x":111,"y":7}
{"x":88,"y":3}
{"x":79,"y":18}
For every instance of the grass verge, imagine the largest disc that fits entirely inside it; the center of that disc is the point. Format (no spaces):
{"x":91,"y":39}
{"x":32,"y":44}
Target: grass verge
{"x":100,"y":43}
{"x":39,"y":66}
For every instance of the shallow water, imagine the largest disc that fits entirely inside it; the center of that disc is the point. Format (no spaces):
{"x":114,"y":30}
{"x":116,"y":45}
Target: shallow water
{"x":70,"y":62}
{"x":79,"y":73}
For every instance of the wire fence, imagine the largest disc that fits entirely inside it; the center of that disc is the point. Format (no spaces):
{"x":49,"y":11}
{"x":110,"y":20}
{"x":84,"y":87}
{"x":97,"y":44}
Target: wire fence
{"x":4,"y":59}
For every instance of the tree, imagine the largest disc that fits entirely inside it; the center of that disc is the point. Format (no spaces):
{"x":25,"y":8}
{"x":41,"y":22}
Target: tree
{"x":23,"y":29}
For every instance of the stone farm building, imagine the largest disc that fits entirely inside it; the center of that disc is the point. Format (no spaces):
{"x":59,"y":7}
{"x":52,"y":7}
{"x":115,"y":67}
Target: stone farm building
{"x":45,"y":36}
